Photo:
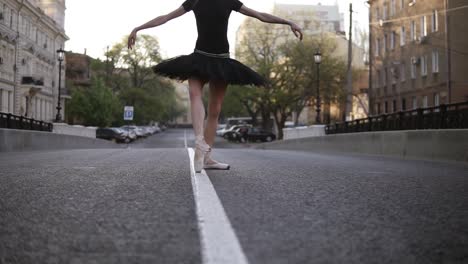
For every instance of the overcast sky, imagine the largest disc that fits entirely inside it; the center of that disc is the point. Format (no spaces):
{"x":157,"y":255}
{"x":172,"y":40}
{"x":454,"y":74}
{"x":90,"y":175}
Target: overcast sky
{"x":94,"y":25}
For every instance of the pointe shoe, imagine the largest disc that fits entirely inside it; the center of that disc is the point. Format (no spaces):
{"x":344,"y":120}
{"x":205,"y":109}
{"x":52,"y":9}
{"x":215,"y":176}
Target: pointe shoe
{"x":211,"y":164}
{"x":201,"y":148}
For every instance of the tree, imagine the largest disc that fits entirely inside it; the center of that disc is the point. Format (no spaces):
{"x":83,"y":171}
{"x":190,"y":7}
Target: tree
{"x":135,"y":83}
{"x":93,"y":106}
{"x":289,"y":66}
{"x":139,"y":60}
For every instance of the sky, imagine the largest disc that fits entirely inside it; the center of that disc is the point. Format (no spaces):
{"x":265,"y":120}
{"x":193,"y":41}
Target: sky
{"x":94,"y":25}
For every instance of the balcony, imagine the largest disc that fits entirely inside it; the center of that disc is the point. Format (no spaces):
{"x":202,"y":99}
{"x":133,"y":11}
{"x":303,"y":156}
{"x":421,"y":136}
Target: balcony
{"x":30,"y":80}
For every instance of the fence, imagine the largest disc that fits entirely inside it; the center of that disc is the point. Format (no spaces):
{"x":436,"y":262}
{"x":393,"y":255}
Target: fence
{"x":452,"y":116}
{"x":21,"y":122}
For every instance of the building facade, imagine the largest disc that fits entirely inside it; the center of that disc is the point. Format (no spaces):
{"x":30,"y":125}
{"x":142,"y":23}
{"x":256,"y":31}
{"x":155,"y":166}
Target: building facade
{"x":418,"y":54}
{"x":31,"y":31}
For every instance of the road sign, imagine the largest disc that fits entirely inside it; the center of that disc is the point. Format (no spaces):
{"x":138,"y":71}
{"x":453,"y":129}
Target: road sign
{"x":128,"y":113}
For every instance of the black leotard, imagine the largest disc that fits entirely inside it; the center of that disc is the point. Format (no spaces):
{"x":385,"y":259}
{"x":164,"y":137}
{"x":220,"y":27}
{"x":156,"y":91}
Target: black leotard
{"x":212,"y":18}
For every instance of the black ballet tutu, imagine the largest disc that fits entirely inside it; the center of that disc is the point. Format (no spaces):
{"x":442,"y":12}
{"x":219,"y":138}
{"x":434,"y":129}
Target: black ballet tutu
{"x":208,"y":68}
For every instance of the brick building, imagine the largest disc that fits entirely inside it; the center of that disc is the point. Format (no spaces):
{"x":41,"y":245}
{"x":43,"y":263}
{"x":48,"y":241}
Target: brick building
{"x":419,"y":54}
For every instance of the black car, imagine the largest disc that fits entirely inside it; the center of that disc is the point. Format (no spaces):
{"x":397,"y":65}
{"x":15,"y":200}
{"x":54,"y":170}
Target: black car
{"x":112,"y":134}
{"x":254,"y":135}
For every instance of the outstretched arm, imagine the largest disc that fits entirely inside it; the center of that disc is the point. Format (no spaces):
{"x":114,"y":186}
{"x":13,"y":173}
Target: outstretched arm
{"x":154,"y":23}
{"x":267,"y":18}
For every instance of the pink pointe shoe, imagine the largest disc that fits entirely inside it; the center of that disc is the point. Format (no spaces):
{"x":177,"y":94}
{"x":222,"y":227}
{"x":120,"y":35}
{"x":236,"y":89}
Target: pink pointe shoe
{"x":211,"y":164}
{"x":201,"y":149}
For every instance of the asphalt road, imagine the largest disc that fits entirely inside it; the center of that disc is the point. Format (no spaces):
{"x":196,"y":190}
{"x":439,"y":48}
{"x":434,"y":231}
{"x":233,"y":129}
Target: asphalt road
{"x":137,"y":205}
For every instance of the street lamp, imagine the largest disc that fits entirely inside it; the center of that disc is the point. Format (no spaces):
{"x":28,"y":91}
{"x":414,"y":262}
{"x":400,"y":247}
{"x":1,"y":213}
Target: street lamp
{"x":318,"y":60}
{"x":61,"y":57}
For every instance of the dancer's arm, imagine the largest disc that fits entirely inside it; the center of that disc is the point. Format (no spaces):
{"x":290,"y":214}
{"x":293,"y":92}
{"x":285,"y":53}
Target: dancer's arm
{"x":154,"y":23}
{"x":268,"y":18}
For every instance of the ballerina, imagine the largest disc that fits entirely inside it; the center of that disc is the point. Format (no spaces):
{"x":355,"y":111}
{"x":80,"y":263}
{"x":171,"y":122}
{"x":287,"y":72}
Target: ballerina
{"x":210,"y":63}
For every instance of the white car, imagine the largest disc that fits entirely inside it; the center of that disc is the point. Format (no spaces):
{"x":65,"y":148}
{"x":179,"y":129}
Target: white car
{"x":221,"y":130}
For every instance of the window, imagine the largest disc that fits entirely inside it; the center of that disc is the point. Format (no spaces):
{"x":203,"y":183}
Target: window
{"x":403,"y":72}
{"x":377,"y":79}
{"x":403,"y":36}
{"x":413,"y":71}
{"x":385,"y":12}
{"x":379,"y":108}
{"x":394,"y":75}
{"x":413,"y":30}
{"x":402,"y":4}
{"x":415,"y":102}
{"x":377,"y":47}
{"x":435,"y":21}
{"x":403,"y":104}
{"x":392,"y":40}
{"x":11,"y":18}
{"x":423,"y":26}
{"x":394,"y":106}
{"x":436,"y":99}
{"x":384,"y":77}
{"x":423,"y":65}
{"x":377,"y":14}
{"x":392,"y":7}
{"x":385,"y":43}
{"x":386,"y":107}
{"x":435,"y":62}
{"x":425,"y":104}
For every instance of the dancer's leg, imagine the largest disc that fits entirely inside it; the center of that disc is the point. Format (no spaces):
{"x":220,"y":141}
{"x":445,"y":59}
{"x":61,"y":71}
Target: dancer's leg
{"x":197,"y":107}
{"x":217,"y":93}
{"x":198,"y":118}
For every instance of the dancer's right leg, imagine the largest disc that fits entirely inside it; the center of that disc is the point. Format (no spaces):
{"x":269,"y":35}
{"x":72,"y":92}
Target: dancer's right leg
{"x":197,"y":107}
{"x":198,"y":119}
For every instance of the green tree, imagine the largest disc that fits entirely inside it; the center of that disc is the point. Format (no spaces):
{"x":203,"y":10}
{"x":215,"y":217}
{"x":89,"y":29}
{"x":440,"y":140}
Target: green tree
{"x":289,"y":66}
{"x":93,"y":106}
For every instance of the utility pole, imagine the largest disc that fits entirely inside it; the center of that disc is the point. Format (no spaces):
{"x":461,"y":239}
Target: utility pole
{"x":349,"y":80}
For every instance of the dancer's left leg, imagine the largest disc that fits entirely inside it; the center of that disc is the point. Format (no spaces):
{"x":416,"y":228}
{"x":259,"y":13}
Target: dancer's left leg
{"x":217,"y":93}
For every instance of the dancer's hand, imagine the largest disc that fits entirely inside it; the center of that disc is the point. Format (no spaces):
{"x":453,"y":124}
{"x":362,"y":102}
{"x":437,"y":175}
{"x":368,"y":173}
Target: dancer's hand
{"x":132,"y":39}
{"x":296,"y":30}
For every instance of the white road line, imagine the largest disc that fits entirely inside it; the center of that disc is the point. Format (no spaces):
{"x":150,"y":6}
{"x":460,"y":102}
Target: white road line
{"x":219,"y":243}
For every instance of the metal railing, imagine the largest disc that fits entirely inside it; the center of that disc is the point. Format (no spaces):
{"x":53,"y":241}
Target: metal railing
{"x":20,"y":122}
{"x":452,"y":116}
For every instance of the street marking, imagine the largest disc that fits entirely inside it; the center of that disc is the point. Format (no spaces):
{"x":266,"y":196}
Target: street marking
{"x":219,"y":243}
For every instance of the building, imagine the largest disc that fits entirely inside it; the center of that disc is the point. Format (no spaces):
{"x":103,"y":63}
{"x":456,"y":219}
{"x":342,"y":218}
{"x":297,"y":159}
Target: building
{"x":418,"y":53}
{"x":321,"y":21}
{"x":31,"y":31}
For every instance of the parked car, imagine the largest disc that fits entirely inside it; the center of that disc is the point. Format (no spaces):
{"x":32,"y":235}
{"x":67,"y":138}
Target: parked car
{"x":235,"y":132}
{"x":221,"y":129}
{"x":254,"y":135}
{"x":131,"y":133}
{"x":227,"y":134}
{"x":112,"y":134}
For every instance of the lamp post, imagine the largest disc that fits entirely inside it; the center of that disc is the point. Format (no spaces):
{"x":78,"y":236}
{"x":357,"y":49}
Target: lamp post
{"x":318,"y":60}
{"x":61,"y":56}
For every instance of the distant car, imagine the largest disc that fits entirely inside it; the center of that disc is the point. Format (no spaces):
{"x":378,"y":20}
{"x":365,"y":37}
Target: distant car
{"x":235,"y":132}
{"x":112,"y":134}
{"x":221,"y":129}
{"x":131,"y":133}
{"x":254,"y":135}
{"x":227,"y":133}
